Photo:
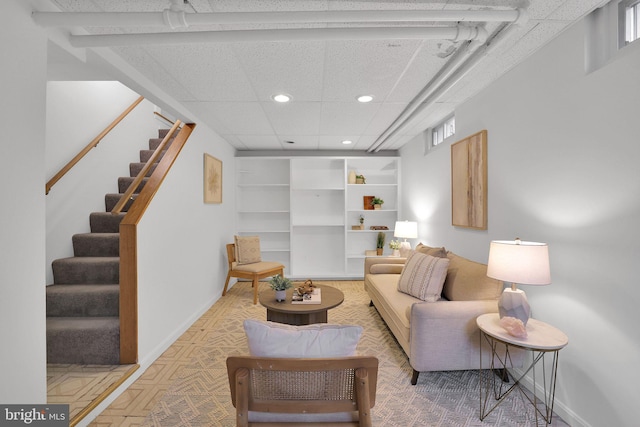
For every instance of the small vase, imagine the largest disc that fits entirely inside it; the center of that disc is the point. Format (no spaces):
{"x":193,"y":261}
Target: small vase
{"x":377,"y":207}
{"x":352,"y":177}
{"x":396,"y":252}
{"x":281,"y":295}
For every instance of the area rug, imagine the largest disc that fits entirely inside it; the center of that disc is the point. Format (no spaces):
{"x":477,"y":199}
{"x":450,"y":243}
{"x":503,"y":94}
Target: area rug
{"x":200,"y":395}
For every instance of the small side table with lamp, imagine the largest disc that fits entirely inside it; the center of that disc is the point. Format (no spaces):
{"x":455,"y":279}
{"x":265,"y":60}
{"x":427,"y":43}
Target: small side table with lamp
{"x":523,"y":263}
{"x":405,"y":230}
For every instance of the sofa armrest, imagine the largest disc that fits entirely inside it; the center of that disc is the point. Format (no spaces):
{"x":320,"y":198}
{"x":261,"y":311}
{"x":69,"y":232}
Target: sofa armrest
{"x":386,"y":265}
{"x":444,"y":334}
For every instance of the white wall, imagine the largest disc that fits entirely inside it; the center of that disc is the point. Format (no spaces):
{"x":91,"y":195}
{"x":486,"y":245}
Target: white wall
{"x":76,"y":113}
{"x":22,"y":221}
{"x":563,"y":158}
{"x":181,"y":253}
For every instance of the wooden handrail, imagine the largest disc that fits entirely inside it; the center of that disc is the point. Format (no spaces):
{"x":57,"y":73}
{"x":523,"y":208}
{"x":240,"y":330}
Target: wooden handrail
{"x":94,"y":143}
{"x":143,"y":172}
{"x":163,"y":117}
{"x":128,"y":249}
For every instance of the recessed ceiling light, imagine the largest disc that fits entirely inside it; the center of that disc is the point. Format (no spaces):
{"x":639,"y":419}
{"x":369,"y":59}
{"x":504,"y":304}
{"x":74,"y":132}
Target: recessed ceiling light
{"x":365,"y":98}
{"x":290,"y":142}
{"x":347,"y":142}
{"x":281,"y":97}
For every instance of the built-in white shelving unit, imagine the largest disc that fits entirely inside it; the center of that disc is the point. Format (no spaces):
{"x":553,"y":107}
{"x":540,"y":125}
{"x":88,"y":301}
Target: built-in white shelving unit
{"x":303,"y":209}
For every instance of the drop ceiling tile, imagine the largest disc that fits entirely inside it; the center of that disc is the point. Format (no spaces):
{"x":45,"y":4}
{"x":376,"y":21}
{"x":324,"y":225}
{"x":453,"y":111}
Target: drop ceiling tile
{"x":234,"y":141}
{"x":239,"y":118}
{"x":357,"y":67}
{"x":295,"y":68}
{"x":260,"y":142}
{"x":302,"y":118}
{"x":338,"y":118}
{"x":422,"y":68}
{"x":334,"y":142}
{"x":571,"y":10}
{"x":210,"y":72}
{"x":384,"y":117}
{"x":307,"y":142}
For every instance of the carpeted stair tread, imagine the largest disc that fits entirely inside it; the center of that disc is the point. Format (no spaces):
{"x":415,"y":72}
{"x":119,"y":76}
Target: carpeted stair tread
{"x":125,"y":181}
{"x":86,"y":270}
{"x":105,"y":222}
{"x":112,"y":199}
{"x":83,"y":340}
{"x":96,"y":244}
{"x":145,"y":155}
{"x":154,"y":143}
{"x":135,"y":168}
{"x":90,"y":300}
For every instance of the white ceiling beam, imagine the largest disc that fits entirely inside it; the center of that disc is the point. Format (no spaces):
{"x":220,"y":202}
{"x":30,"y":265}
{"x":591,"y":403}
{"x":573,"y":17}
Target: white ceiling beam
{"x":281,"y":35}
{"x":180,"y":19}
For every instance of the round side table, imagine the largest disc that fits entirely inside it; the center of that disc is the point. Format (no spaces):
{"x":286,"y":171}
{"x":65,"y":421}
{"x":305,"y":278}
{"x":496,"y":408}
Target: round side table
{"x":541,"y":339}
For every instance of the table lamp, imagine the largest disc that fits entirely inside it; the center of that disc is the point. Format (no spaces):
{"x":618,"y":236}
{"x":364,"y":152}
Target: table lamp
{"x":405,"y":230}
{"x":518,"y":262}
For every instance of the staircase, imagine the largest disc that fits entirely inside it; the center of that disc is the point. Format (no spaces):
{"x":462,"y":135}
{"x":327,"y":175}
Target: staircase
{"x":83,"y":326}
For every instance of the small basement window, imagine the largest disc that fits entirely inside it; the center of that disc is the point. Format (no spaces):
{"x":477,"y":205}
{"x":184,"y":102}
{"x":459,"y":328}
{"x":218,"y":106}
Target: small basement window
{"x":443,"y":130}
{"x":629,"y":21}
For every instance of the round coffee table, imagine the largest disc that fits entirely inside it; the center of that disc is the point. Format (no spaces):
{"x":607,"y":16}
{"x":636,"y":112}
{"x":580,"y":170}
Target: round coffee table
{"x":300,"y":314}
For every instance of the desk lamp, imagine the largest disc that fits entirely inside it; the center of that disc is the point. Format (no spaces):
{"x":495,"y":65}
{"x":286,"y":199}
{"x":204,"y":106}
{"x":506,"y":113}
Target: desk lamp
{"x":405,"y":230}
{"x":526,"y":263}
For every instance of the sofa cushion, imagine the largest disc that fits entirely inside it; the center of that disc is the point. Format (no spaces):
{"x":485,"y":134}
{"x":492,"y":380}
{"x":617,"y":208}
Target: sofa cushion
{"x":271,"y":339}
{"x":247,"y":249}
{"x":423,"y":276}
{"x":428,"y":250}
{"x":468,"y":281}
{"x":386,"y":268}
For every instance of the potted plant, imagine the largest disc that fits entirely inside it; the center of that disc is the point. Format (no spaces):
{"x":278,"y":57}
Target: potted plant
{"x":380,"y":243}
{"x":395,"y":247}
{"x":280,"y":284}
{"x":360,"y":179}
{"x":377,"y":203}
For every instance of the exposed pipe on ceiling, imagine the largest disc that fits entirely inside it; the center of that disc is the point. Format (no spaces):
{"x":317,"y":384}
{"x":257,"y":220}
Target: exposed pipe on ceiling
{"x":279,"y":35}
{"x":461,"y":65}
{"x":179,"y":19}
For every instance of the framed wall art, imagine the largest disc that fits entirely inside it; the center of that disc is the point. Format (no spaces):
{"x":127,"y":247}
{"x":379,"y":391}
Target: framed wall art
{"x":469,"y":182}
{"x":212,"y":179}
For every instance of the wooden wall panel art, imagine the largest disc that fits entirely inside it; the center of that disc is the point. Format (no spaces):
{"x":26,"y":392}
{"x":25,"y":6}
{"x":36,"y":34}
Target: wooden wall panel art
{"x":469,"y":182}
{"x":212,"y":179}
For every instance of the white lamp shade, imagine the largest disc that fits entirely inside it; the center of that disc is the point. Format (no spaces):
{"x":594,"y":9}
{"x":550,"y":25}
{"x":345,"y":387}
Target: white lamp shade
{"x":406,"y":229}
{"x":515,"y":261}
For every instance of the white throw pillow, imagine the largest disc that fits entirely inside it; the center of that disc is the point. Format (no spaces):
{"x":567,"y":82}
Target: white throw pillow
{"x":271,"y":339}
{"x":423,"y":276}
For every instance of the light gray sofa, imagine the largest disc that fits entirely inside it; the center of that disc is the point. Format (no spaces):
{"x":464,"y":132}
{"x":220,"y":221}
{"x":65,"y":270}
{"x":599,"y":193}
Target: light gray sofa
{"x":441,"y":335}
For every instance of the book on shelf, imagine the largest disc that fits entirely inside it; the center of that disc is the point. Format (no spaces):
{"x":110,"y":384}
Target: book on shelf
{"x":313,"y":298}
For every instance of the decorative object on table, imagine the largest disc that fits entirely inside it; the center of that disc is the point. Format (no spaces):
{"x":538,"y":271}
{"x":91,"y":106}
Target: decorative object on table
{"x":377,"y":203}
{"x":360,"y":179}
{"x":395,"y":247}
{"x":306,"y":288}
{"x":280,"y":284}
{"x":352,"y":177}
{"x":405,"y":230}
{"x":516,"y":261}
{"x":212,"y":179}
{"x":380,"y":243}
{"x":469,"y":182}
{"x":514,"y":326}
{"x":378,"y":227}
{"x":313,"y":297}
{"x":368,"y":206}
{"x":360,"y":226}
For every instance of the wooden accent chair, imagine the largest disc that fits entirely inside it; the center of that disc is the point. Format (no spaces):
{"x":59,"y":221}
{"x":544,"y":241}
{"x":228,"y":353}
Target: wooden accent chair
{"x":301,"y":392}
{"x":254,"y":271}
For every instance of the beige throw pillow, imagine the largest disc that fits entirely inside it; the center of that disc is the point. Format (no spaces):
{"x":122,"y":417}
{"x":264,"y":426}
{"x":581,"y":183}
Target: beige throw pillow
{"x":423,"y":276}
{"x":247,"y":249}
